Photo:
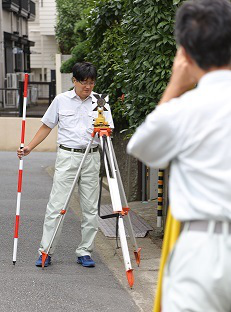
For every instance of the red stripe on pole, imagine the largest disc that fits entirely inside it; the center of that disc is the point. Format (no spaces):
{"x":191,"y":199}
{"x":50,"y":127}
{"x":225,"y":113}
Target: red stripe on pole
{"x":19,"y":181}
{"x":23,"y":131}
{"x":25,"y":85}
{"x":16,"y":227}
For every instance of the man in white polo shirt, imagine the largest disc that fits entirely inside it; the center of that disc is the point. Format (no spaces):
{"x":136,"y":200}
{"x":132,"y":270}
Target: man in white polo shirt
{"x":73,"y":112}
{"x":191,"y":131}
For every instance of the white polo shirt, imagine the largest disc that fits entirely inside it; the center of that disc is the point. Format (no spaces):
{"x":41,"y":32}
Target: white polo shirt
{"x":193,"y":132}
{"x":75,"y":119}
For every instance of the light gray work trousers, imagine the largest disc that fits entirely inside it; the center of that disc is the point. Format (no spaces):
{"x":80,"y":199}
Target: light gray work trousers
{"x":198,"y":272}
{"x":66,"y":166}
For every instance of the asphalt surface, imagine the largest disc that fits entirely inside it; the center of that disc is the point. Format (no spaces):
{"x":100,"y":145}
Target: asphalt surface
{"x":64,"y":285}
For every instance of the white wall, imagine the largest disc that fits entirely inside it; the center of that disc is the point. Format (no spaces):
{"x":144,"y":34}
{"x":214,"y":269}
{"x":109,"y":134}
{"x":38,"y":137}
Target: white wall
{"x":43,"y":53}
{"x":10,"y":134}
{"x":47,"y":17}
{"x":63,"y":81}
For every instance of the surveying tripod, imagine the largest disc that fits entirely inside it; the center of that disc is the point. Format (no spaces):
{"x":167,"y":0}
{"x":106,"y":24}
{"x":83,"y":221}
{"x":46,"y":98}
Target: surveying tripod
{"x":118,"y":197}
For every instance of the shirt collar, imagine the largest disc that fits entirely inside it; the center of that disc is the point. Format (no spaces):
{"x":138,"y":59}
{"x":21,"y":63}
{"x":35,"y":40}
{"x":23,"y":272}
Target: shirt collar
{"x":214,"y":77}
{"x":72,"y":94}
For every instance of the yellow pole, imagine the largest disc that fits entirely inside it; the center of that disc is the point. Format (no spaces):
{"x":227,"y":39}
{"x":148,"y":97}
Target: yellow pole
{"x":175,"y":232}
{"x":172,"y":231}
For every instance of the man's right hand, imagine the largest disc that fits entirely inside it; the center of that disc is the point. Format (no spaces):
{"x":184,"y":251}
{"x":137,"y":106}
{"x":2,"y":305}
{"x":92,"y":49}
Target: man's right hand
{"x":181,"y":77}
{"x":23,"y":151}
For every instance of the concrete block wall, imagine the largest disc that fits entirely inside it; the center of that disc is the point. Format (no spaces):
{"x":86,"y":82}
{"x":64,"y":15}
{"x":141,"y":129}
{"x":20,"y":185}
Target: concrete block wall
{"x":10,"y":134}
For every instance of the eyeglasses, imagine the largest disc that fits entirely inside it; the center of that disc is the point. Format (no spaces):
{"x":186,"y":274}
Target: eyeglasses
{"x":85,"y":83}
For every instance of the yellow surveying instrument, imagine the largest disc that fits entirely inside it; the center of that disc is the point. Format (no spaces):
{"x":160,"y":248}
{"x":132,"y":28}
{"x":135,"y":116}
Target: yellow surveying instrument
{"x":117,"y":194}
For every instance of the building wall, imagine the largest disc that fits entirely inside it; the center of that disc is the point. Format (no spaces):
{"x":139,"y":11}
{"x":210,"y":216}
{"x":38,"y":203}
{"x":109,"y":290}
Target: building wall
{"x":12,"y":23}
{"x":43,"y":54}
{"x":6,"y":17}
{"x":42,"y":32}
{"x":47,"y":17}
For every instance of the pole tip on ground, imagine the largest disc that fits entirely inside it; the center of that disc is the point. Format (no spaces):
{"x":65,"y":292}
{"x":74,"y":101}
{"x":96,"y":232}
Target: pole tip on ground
{"x":14,"y":262}
{"x":130,"y":277}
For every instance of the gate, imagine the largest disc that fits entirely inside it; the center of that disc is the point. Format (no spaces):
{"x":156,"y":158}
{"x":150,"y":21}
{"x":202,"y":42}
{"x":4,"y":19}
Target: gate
{"x":39,"y":93}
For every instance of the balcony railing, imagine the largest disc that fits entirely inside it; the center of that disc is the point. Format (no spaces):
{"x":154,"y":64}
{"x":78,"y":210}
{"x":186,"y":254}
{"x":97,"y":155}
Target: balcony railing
{"x":24,"y":8}
{"x":31,"y":15}
{"x":11,"y":5}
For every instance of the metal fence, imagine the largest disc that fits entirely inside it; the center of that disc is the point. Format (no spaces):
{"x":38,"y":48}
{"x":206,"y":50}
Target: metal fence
{"x":11,"y":99}
{"x":37,"y":91}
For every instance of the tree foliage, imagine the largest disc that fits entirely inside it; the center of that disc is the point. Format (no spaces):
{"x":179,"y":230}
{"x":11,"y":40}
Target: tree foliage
{"x":131,"y":42}
{"x":67,"y":13}
{"x":149,"y":56}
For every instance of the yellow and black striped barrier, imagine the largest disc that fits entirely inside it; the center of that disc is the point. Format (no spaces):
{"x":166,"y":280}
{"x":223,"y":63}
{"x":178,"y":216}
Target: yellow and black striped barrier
{"x":160,"y":197}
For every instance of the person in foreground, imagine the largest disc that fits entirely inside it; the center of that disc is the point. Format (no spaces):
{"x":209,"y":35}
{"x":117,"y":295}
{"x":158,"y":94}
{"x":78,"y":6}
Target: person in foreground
{"x":73,"y":112}
{"x":191,"y":131}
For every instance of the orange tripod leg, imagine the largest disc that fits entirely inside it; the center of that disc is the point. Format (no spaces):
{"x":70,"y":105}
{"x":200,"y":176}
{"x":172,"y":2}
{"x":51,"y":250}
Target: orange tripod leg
{"x":137,"y":256}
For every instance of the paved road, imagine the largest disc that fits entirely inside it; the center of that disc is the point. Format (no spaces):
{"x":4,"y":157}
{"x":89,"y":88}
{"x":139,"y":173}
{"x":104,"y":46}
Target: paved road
{"x":64,"y":285}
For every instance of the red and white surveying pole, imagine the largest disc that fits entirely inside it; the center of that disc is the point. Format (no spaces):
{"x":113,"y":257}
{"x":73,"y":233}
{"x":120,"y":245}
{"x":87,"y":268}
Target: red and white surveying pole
{"x":20,"y":171}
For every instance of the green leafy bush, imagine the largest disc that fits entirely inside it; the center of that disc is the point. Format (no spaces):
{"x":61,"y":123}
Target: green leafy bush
{"x":78,"y":55}
{"x":149,"y":56}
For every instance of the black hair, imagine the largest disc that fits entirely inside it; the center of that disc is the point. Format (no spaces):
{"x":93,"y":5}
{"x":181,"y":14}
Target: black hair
{"x":203,"y":28}
{"x":83,"y":71}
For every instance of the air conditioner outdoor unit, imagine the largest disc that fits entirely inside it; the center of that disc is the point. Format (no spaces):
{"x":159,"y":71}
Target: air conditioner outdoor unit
{"x":11,"y":80}
{"x":11,"y":99}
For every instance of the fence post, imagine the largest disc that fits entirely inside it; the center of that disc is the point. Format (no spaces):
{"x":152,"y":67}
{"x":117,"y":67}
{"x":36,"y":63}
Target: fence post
{"x":51,"y":91}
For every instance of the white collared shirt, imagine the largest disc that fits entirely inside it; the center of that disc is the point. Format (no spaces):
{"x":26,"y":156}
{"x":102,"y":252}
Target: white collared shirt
{"x":193,"y":132}
{"x":75,"y":119}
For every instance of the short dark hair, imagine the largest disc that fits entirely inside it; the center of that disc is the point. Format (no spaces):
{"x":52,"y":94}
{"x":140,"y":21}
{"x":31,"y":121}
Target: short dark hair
{"x":203,"y":28}
{"x":84,"y":70}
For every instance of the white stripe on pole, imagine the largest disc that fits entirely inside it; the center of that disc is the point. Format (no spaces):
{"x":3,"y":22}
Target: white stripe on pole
{"x":15,"y":249}
{"x":18,"y":204}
